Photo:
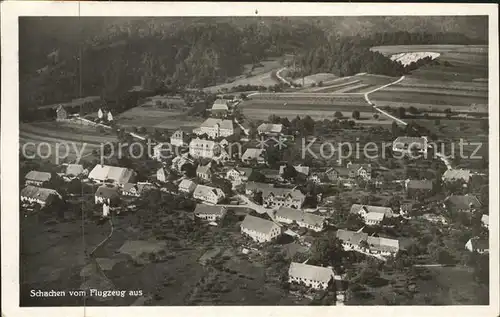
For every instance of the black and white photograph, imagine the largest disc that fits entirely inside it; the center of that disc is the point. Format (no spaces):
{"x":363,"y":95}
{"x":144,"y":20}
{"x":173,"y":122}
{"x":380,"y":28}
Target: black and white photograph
{"x":252,"y":159}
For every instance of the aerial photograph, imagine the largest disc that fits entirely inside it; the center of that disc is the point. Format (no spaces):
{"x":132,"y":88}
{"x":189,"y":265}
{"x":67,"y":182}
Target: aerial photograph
{"x":258,"y":160}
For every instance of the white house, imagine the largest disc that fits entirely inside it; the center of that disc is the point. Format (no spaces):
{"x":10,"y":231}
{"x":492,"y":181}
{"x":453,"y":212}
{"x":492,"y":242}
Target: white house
{"x":162,"y":174}
{"x":238,"y":175}
{"x":200,"y":148}
{"x":134,"y":190}
{"x":485,"y":219}
{"x":216,"y":128}
{"x":405,"y":144}
{"x":37,"y":178}
{"x":303,"y":219}
{"x":179,"y":161}
{"x":210,"y":213}
{"x":260,"y":230}
{"x":477,"y":245}
{"x":456,"y":174}
{"x":372,"y":215}
{"x":211,"y":195}
{"x":352,"y":240}
{"x":277,"y":197}
{"x":186,"y":186}
{"x":112,"y":174}
{"x":270,"y":129}
{"x":253,"y":154}
{"x":301,"y":169}
{"x":316,"y":277}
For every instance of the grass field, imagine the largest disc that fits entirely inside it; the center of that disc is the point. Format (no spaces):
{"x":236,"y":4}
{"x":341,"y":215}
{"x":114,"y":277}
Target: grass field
{"x":325,"y":78}
{"x":156,"y":118}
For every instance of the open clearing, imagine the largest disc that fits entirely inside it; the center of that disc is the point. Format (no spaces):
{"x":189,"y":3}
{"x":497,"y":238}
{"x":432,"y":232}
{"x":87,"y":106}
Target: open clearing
{"x":360,"y":83}
{"x":156,"y":118}
{"x":325,"y":78}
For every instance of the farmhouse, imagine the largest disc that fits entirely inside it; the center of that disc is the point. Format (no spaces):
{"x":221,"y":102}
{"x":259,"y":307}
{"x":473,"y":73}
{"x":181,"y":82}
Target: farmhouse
{"x":457,"y":174}
{"x":254,"y":187}
{"x":223,"y":156}
{"x":134,"y":190}
{"x":414,"y":186}
{"x":179,"y":161}
{"x":211,"y":195}
{"x":362,"y":242}
{"x":74,"y":170}
{"x":351,"y":240}
{"x":335,"y":174}
{"x":259,"y":229}
{"x":210,"y":213}
{"x":204,"y":172}
{"x":359,"y":170}
{"x":42,"y":196}
{"x":107,"y":194}
{"x":215,"y":128}
{"x":316,"y":277}
{"x":220,"y":107}
{"x":37,"y":178}
{"x":277,"y":197}
{"x":406,"y":144}
{"x":187,"y":186}
{"x":301,"y":218}
{"x":270,"y":129}
{"x":372,"y":215}
{"x":462,"y":203}
{"x":112,"y":174}
{"x":478,"y":245}
{"x":252,"y":154}
{"x":238,"y":175}
{"x":179,"y":138}
{"x":383,"y":246}
{"x":203,"y":148}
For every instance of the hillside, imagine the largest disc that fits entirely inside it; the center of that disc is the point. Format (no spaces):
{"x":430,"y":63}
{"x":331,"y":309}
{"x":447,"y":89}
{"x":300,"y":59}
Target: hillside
{"x":118,"y":53}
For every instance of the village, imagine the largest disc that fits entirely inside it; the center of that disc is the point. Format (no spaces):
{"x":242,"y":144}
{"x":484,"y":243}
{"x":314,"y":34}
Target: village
{"x":232,"y":170}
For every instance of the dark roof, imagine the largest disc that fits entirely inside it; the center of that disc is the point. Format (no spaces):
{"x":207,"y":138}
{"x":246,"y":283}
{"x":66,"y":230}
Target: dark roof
{"x":107,"y":191}
{"x":463,"y":201}
{"x":419,"y":184}
{"x":202,"y":209}
{"x":38,"y":193}
{"x":38,"y":176}
{"x":258,"y":224}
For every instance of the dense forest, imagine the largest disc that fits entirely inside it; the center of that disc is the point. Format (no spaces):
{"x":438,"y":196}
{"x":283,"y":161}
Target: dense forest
{"x":62,"y":58}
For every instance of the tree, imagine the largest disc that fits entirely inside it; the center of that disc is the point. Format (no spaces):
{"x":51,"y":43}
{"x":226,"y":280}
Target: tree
{"x":189,"y":170}
{"x":376,"y":116}
{"x":356,"y":115}
{"x":395,"y":129}
{"x":338,"y":114}
{"x":401,"y":112}
{"x":289,"y":173}
{"x":327,"y":251}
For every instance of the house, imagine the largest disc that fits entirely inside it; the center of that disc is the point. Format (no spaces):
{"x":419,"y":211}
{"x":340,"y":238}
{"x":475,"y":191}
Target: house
{"x":405,"y":208}
{"x":413,"y":186}
{"x":335,"y":174}
{"x":360,"y":170}
{"x":372,"y":215}
{"x":457,"y":174}
{"x":204,"y":172}
{"x":220,"y":107}
{"x":187,"y":186}
{"x":208,"y":194}
{"x":61,"y":113}
{"x":238,"y":175}
{"x":74,"y":171}
{"x":254,"y":187}
{"x":260,"y":230}
{"x":299,"y":168}
{"x":253,"y":154}
{"x":383,"y":246}
{"x":42,"y":196}
{"x":37,"y":178}
{"x":200,"y":148}
{"x":477,"y":245}
{"x":215,"y":128}
{"x":351,"y":240}
{"x":134,"y":190}
{"x":223,"y":157}
{"x":162,"y":174}
{"x":162,"y":151}
{"x":462,"y":203}
{"x":112,"y":174}
{"x":210,"y":213}
{"x":107,"y":194}
{"x":179,"y":138}
{"x":301,"y":218}
{"x":278,"y":197}
{"x":270,"y":129}
{"x":485,"y":220}
{"x":405,"y":144}
{"x":316,"y":277}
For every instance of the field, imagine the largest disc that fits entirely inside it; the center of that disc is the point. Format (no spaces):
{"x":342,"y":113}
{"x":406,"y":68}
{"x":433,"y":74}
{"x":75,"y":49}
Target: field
{"x":152,"y":117}
{"x":360,"y":83}
{"x":259,"y":76}
{"x":325,"y":78}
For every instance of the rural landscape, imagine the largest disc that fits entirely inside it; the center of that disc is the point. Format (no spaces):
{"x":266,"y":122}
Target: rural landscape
{"x":254,"y":161}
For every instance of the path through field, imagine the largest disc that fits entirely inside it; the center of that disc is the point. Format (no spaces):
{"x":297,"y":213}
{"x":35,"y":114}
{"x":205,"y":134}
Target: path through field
{"x":380,"y":110}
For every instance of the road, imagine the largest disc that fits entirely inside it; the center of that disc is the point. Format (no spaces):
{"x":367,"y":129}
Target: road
{"x":380,"y":110}
{"x":250,"y":204}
